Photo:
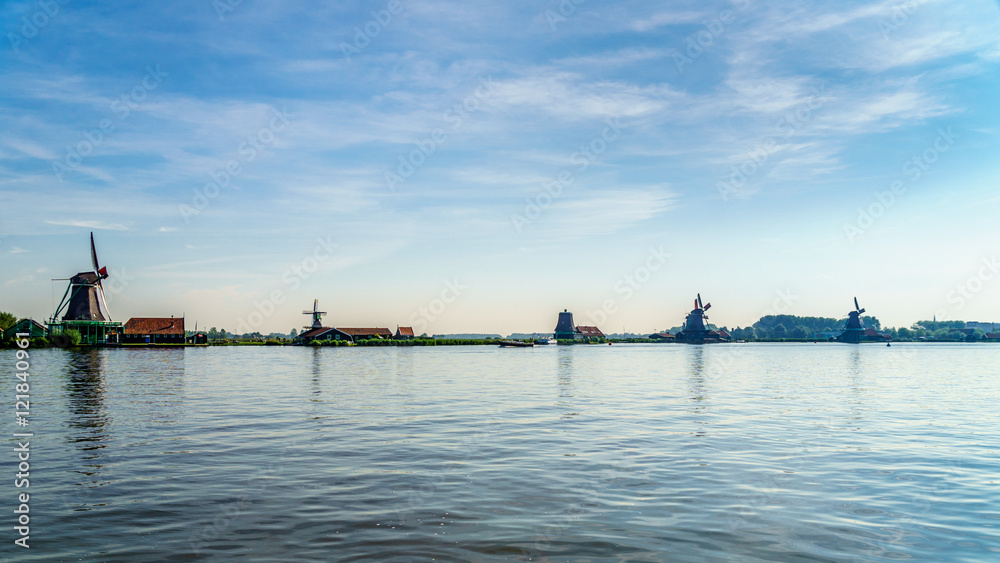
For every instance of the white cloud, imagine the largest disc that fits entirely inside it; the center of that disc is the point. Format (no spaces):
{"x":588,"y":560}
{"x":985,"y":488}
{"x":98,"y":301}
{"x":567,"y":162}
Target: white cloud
{"x":660,"y":19}
{"x":90,"y":225}
{"x":605,"y":212}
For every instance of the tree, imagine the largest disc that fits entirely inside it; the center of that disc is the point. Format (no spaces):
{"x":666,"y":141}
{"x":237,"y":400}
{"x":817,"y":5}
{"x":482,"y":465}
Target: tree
{"x":72,"y":336}
{"x":779,"y":331}
{"x":213,"y":333}
{"x":294,"y":333}
{"x":223,"y":333}
{"x":7,"y":320}
{"x":799,"y":332}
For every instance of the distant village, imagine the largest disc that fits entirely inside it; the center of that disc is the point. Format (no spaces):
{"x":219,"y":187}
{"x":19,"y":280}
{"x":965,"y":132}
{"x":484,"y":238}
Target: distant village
{"x":80,"y":320}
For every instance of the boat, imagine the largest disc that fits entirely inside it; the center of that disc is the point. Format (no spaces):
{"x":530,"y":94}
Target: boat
{"x":544,"y":341}
{"x":515,"y":344}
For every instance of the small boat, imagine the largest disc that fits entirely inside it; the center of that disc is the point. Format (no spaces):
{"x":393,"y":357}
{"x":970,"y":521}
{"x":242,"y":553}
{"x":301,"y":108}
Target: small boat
{"x":544,"y":341}
{"x":515,"y":344}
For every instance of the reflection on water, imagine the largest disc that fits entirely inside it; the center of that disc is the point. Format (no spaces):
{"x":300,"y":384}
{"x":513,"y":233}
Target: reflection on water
{"x":696,"y":374}
{"x":564,"y":376}
{"x":85,"y":394}
{"x":778,"y":453}
{"x":696,"y":390}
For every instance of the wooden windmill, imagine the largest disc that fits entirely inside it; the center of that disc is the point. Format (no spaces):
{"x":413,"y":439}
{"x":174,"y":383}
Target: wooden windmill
{"x":317,"y":315}
{"x":84,"y":295}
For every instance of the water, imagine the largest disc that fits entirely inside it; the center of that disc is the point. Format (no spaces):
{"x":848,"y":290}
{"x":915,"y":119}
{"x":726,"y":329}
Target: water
{"x":753,"y":452}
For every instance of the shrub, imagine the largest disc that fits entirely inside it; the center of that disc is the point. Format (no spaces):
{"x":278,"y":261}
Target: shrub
{"x":72,"y":336}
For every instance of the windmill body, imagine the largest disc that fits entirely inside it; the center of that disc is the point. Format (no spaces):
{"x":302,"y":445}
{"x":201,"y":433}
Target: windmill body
{"x":565,"y":327}
{"x":85,"y":298}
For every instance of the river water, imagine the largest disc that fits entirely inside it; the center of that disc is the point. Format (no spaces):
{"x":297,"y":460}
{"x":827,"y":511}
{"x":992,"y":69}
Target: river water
{"x":751,"y":452}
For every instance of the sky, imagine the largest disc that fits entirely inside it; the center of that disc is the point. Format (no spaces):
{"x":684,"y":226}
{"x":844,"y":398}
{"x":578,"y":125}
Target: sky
{"x":479,"y":167}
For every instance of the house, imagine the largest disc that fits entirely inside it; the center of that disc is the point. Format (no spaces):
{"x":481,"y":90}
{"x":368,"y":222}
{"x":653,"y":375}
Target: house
{"x":346,"y":334}
{"x":198,"y":338}
{"x":589,"y":332}
{"x":661,"y":337}
{"x":993,"y":336}
{"x":31,"y":327}
{"x":366,"y":333}
{"x":404,"y":333}
{"x":150,"y":330}
{"x":321,"y":334}
{"x":872,"y":335}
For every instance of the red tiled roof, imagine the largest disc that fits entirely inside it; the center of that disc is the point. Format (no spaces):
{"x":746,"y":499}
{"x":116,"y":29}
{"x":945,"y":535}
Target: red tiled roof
{"x":404,"y":331}
{"x":589,"y":331}
{"x":366,"y":331}
{"x":170,"y":325}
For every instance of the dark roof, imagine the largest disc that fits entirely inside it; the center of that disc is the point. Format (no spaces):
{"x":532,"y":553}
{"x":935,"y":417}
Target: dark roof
{"x":315,"y":333}
{"x":170,"y":325}
{"x":993,"y":336}
{"x":404,"y":331}
{"x":662,"y":335}
{"x":724,"y":334}
{"x":589,"y":331}
{"x":366,"y":331}
{"x":29,"y":322}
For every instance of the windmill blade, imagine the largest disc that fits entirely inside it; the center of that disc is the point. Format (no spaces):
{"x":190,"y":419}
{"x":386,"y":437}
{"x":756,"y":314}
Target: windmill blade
{"x":856,"y":306}
{"x":64,"y":302}
{"x":93,"y":252}
{"x":709,"y":306}
{"x":107,"y":310}
{"x":700,"y":306}
{"x":315,"y":305}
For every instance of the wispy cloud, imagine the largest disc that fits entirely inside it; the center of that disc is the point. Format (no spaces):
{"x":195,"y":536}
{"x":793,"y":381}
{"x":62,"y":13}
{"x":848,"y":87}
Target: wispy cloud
{"x":90,"y":224}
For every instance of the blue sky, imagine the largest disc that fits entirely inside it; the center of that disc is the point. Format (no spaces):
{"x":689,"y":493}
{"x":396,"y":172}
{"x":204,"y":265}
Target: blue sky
{"x":480,"y":168}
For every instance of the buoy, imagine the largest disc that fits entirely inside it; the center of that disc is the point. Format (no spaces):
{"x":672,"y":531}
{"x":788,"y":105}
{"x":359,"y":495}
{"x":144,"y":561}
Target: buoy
{"x":888,"y":344}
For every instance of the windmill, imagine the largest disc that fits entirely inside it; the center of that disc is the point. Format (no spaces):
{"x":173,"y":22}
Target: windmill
{"x":80,"y":307}
{"x":696,"y":330}
{"x":855,"y":330}
{"x":83,"y":297}
{"x":316,"y":315}
{"x":854,"y":317}
{"x":565,"y":327}
{"x":695,"y":321}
